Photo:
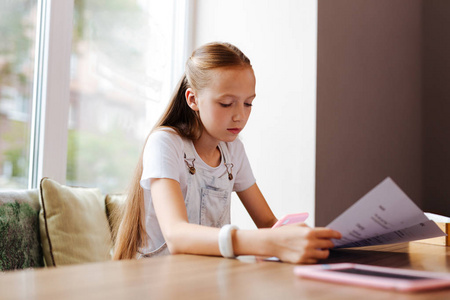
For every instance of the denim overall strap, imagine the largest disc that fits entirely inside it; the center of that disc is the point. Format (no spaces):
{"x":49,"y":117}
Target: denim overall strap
{"x":226,"y":159}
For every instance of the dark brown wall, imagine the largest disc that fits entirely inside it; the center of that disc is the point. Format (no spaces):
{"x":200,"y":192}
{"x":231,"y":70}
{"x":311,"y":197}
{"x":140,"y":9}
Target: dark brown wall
{"x":436,"y":106}
{"x":369,"y":116}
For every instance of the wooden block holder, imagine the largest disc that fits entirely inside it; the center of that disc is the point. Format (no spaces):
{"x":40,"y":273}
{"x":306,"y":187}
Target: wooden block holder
{"x":441,"y":240}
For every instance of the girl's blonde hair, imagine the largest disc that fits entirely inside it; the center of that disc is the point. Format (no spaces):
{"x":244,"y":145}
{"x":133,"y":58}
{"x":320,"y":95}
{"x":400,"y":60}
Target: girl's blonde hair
{"x":180,"y":117}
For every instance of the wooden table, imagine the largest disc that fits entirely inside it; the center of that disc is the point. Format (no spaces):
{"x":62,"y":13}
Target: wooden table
{"x":201,"y":277}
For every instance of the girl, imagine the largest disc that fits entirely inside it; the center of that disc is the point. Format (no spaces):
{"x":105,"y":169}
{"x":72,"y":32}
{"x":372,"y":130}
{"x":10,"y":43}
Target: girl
{"x":193,"y":160}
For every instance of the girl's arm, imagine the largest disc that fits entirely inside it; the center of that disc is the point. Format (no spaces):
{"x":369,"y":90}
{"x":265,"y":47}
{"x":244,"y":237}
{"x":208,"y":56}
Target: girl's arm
{"x":292,"y":243}
{"x":180,"y":235}
{"x":257,"y":207}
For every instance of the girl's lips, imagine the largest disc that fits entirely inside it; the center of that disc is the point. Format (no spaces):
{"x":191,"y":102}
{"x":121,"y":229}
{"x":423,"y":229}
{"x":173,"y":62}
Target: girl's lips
{"x":234,"y":130}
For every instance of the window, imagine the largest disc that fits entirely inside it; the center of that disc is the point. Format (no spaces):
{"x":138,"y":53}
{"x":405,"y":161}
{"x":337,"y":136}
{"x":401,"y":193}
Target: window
{"x":105,"y":73}
{"x":121,"y":71}
{"x":17,"y":35}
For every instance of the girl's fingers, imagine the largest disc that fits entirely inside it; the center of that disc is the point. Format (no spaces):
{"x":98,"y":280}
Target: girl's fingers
{"x":321,"y":254}
{"x":308,"y":261}
{"x":315,"y":244}
{"x":326,"y":233}
{"x":322,"y":244}
{"x":314,"y":255}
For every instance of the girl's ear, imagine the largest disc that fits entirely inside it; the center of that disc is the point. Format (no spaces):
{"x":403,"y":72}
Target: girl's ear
{"x":191,"y":99}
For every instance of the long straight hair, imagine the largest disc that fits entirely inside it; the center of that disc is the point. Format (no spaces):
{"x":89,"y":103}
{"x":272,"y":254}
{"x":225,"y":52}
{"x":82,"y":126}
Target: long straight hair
{"x":186,"y":122}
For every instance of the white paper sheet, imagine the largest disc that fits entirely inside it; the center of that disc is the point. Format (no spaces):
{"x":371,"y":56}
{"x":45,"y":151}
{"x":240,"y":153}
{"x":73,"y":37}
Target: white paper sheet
{"x":437,"y":218}
{"x":385,"y":215}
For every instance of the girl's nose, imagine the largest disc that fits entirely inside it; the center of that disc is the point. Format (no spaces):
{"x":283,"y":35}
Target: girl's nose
{"x":238,"y":113}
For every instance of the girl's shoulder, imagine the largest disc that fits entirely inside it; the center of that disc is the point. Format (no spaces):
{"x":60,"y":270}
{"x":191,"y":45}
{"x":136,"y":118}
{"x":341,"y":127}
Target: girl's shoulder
{"x":166,"y":137}
{"x":165,"y":133}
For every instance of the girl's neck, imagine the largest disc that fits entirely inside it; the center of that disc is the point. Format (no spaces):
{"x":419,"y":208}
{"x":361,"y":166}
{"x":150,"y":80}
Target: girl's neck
{"x":208,"y":150}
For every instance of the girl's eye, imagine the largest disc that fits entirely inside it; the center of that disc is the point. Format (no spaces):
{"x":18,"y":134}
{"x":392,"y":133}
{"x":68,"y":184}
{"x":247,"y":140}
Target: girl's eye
{"x":225,"y":105}
{"x":248,"y":104}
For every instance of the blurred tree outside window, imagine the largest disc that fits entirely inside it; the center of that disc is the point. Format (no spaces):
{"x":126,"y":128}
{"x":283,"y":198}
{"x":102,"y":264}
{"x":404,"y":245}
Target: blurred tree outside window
{"x":121,"y":70}
{"x":17,"y":45}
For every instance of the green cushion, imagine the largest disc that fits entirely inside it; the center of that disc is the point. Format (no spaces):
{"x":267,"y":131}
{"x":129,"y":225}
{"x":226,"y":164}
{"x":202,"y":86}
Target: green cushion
{"x":19,"y":230}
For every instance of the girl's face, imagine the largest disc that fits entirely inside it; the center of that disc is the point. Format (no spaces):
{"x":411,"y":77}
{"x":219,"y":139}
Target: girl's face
{"x":224,"y":105}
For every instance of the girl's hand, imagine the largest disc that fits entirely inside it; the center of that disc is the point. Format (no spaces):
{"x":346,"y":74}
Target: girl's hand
{"x":301,"y":244}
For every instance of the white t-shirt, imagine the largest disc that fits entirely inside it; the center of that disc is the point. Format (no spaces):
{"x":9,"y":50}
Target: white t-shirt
{"x":164,"y":158}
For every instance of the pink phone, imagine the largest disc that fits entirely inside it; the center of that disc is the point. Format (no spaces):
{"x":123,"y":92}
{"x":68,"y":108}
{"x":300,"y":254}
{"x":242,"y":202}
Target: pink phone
{"x":291,"y":219}
{"x":376,"y":277}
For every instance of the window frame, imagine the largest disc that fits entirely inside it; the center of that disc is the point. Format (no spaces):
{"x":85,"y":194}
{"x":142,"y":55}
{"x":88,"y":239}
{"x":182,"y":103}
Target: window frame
{"x":48,"y":153}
